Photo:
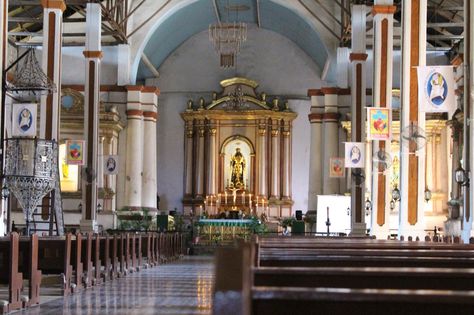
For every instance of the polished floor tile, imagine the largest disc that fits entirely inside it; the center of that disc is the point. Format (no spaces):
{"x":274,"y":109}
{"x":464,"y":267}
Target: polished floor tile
{"x":182,"y":287}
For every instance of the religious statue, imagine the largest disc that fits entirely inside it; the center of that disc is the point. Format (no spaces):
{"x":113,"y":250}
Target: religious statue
{"x":237,"y":164}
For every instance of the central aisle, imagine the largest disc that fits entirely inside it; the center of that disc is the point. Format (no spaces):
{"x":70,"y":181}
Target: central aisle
{"x":182,"y":287}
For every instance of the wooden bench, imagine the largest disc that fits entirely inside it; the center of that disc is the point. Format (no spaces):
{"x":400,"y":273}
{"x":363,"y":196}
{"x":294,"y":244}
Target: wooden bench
{"x":10,"y":276}
{"x":54,"y":259}
{"x":347,"y":290}
{"x":28,"y":266}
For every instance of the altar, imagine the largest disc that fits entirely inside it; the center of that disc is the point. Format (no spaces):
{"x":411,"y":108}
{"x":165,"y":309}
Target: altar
{"x":238,"y":153}
{"x":219,"y":230}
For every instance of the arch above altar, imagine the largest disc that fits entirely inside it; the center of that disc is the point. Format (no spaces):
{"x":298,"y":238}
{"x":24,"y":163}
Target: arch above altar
{"x":238,"y":153}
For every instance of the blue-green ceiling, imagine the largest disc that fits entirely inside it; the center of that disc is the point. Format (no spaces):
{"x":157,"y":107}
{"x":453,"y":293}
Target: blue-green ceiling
{"x":196,"y":17}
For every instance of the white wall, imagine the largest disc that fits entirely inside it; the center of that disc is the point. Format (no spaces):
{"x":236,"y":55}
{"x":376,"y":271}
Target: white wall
{"x":192,"y":71}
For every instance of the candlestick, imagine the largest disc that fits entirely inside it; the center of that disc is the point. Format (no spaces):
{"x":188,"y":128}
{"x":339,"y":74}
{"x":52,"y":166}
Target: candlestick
{"x":243,"y":198}
{"x":200,"y":210}
{"x":250,"y":200}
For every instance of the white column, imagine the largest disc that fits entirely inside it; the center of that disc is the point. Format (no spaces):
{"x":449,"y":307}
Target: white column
{"x":315,"y":186}
{"x":358,"y":59}
{"x":430,"y":169}
{"x":123,"y":64}
{"x":93,"y":54}
{"x":150,"y":116}
{"x":343,"y":67}
{"x":134,"y":153}
{"x":383,"y":11}
{"x":262,"y":158}
{"x":286,"y":174}
{"x":412,"y":164}
{"x":200,"y":160}
{"x":275,"y":162}
{"x":100,"y":164}
{"x":331,"y":138}
{"x":51,"y":53}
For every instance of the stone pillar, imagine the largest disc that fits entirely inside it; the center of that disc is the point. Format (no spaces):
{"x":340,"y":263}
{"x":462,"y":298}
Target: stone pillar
{"x":100,"y":163}
{"x":150,"y":116}
{"x":315,"y":156}
{"x":93,"y":54}
{"x":331,"y":138}
{"x":134,"y":153}
{"x":286,"y":174}
{"x":275,"y":161}
{"x":188,"y":151}
{"x":358,"y":59}
{"x":200,"y":160}
{"x":51,"y":58}
{"x":383,"y":11}
{"x":412,"y":163}
{"x":430,"y":167}
{"x":262,"y":158}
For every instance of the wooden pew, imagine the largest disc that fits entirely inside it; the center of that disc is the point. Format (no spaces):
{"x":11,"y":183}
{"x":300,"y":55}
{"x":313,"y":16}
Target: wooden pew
{"x":86,"y":259}
{"x":28,"y":266}
{"x":54,"y":259}
{"x":76,"y":259}
{"x":336,"y":301}
{"x":106,"y":257}
{"x":9,"y":254}
{"x":97,"y":262}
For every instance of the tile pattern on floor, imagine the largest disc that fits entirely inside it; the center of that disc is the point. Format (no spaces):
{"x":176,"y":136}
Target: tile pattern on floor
{"x":182,"y":287}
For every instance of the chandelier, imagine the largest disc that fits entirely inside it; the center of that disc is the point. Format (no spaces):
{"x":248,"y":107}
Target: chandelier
{"x":228,"y":38}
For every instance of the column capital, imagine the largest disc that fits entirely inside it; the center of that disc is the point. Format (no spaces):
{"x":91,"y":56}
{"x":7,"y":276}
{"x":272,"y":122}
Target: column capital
{"x":54,"y":4}
{"x":93,"y":54}
{"x":275,"y":133}
{"x":331,"y":117}
{"x":201,"y":131}
{"x":151,"y":89}
{"x":135,"y":113}
{"x":286,"y":133}
{"x":357,"y":57}
{"x":212,"y":131}
{"x":153,"y":116}
{"x":383,"y":9}
{"x":315,"y":118}
{"x":262,"y":131}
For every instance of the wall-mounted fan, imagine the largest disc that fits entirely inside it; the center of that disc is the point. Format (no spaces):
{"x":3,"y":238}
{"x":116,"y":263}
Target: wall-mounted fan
{"x":88,"y":174}
{"x":358,"y":176}
{"x":382,"y":160}
{"x":413,"y":137}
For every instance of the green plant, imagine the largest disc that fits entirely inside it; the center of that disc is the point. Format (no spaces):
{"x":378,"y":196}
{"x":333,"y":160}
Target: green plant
{"x":287,"y":221}
{"x":257,"y":226}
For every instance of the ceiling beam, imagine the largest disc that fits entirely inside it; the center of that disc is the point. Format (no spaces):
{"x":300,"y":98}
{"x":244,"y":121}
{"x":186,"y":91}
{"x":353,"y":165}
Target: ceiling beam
{"x":216,"y":11}
{"x":259,"y":20}
{"x":446,"y":24}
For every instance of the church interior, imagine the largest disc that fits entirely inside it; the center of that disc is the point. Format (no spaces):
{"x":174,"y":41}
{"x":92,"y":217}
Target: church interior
{"x":236,"y":156}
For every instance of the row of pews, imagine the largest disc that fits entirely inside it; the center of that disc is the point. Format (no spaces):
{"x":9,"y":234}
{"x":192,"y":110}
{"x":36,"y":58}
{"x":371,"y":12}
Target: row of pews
{"x":311,"y":275}
{"x":34,"y":266}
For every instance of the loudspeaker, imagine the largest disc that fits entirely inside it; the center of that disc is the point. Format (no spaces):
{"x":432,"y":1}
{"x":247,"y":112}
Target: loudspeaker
{"x":299,"y":215}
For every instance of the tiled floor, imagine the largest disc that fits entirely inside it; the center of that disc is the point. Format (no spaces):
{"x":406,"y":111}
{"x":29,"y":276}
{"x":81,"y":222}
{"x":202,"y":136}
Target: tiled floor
{"x":183,"y":287}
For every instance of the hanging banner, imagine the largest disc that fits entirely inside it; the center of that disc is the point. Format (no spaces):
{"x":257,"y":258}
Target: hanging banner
{"x":75,"y":152}
{"x":336,"y":167}
{"x":379,"y":123}
{"x":436,"y":89}
{"x":355,"y":155}
{"x":111,"y":164}
{"x":24,"y":120}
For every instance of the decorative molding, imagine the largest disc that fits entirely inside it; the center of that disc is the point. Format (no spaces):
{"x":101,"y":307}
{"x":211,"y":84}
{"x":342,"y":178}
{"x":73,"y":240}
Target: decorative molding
{"x":54,"y":4}
{"x":383,"y":9}
{"x":93,"y":54}
{"x":357,"y":57}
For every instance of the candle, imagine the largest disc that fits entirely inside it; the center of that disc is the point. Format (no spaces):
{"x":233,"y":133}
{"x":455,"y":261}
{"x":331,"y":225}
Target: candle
{"x":200,"y":210}
{"x":243,"y":198}
{"x":226,"y":198}
{"x":250,"y":200}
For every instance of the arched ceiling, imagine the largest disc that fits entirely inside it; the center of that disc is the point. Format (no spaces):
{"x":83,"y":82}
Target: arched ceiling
{"x":197,"y":16}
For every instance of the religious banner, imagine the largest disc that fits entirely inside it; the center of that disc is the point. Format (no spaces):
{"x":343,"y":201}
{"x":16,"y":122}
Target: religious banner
{"x":75,"y":152}
{"x":436,"y":89}
{"x":379,"y":123}
{"x":336,"y":167}
{"x":111,"y":164}
{"x":24,"y":120}
{"x":355,"y":155}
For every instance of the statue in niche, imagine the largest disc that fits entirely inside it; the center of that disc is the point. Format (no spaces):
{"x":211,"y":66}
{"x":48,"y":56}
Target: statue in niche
{"x":237,"y":164}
